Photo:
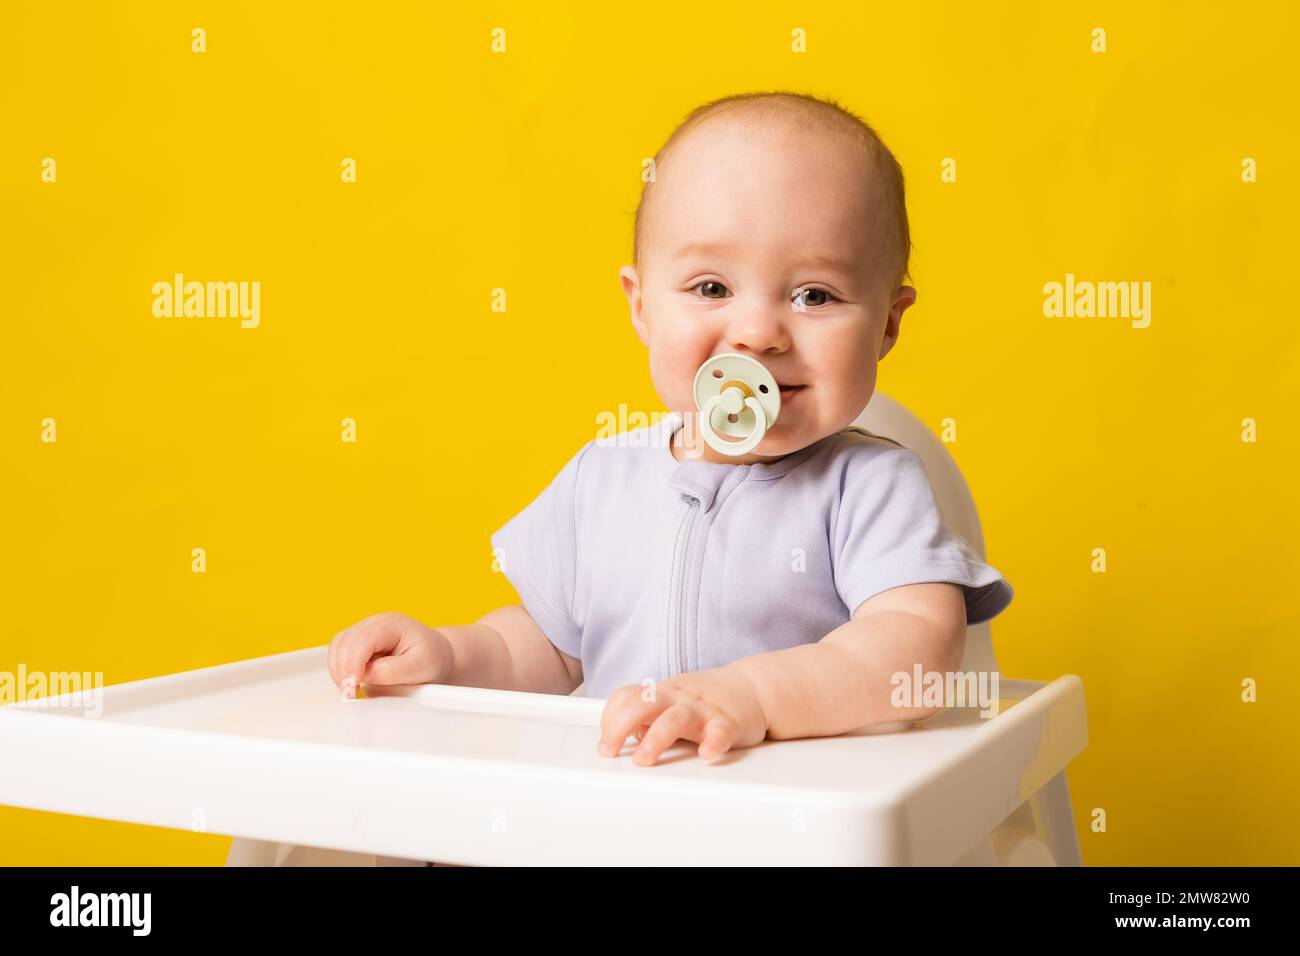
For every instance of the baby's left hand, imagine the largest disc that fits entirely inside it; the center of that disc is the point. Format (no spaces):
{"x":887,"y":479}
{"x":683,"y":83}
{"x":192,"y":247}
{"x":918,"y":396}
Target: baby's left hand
{"x":719,"y":709}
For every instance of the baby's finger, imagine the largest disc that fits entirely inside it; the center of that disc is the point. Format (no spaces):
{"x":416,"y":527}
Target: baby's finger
{"x":625,"y":713}
{"x":401,"y":668}
{"x":680,"y":720}
{"x":719,"y":734}
{"x":334,"y":656}
{"x":365,"y":641}
{"x":352,"y":659}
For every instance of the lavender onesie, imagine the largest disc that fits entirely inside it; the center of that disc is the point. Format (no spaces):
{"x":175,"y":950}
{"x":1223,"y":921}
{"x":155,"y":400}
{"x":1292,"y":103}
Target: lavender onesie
{"x":642,"y":566}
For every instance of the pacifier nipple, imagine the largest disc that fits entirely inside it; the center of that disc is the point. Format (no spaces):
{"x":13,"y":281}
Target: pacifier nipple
{"x":737,"y":397}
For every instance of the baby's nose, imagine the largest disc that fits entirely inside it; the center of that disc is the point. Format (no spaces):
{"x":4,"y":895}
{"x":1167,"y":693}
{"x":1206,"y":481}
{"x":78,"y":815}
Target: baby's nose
{"x":758,"y":332}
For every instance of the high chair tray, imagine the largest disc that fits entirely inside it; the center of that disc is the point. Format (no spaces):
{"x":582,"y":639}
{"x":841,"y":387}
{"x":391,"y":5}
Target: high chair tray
{"x":267,"y":749}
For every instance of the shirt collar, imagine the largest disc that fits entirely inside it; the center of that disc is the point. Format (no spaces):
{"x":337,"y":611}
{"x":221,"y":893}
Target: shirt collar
{"x":704,"y":479}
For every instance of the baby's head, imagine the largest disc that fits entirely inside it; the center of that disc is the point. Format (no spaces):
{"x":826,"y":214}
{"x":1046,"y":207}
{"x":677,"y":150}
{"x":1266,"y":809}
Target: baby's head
{"x":754,"y":198}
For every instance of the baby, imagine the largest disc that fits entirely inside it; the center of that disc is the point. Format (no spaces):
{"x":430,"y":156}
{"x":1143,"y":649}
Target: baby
{"x":716,"y":599}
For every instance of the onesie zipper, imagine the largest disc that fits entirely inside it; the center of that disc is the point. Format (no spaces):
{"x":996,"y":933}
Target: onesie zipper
{"x":677,"y":608}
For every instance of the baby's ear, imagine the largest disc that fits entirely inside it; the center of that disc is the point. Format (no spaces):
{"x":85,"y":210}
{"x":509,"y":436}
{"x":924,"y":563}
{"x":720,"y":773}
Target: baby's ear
{"x":904,"y":299}
{"x":631,"y":283}
{"x":632,"y":289}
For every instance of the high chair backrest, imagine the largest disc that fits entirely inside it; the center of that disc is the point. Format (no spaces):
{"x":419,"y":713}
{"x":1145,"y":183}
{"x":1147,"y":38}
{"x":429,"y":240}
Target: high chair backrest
{"x":885,"y":417}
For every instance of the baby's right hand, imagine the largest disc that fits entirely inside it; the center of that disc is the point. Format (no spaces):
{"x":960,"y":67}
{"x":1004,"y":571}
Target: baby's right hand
{"x":388,"y":649}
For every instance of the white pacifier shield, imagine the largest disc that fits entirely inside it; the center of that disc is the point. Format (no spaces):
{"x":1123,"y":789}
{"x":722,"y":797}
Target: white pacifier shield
{"x":719,"y":396}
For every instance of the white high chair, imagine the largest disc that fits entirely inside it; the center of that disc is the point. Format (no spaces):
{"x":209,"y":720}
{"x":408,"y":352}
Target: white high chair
{"x":267,"y":751}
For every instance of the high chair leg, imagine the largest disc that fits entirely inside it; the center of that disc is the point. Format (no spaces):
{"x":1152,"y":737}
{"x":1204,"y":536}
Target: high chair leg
{"x":249,"y":852}
{"x":1056,"y":817}
{"x":1041,"y":830}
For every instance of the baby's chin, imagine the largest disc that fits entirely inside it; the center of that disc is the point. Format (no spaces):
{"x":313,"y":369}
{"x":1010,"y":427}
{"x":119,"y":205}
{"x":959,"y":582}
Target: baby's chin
{"x":786,"y":438}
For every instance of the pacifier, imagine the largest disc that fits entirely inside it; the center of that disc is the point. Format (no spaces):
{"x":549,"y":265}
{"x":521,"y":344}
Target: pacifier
{"x":737,"y":397}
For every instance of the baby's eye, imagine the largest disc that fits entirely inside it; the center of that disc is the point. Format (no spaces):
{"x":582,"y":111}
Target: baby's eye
{"x":800,"y":299}
{"x":715,"y":285}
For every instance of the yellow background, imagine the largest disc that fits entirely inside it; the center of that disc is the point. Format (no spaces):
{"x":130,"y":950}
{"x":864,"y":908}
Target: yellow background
{"x":521,"y":171}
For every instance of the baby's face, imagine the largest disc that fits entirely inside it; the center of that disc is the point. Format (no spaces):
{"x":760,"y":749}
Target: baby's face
{"x":741,"y":219}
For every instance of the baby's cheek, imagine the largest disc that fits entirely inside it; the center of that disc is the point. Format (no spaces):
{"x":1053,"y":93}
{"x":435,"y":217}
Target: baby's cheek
{"x":857,"y":384}
{"x":857,"y":370}
{"x":846,"y":370}
{"x":673,"y":364}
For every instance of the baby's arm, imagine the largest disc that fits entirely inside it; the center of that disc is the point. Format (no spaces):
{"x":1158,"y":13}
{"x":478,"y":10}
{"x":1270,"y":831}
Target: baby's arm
{"x":506,"y":649}
{"x":844,"y":681}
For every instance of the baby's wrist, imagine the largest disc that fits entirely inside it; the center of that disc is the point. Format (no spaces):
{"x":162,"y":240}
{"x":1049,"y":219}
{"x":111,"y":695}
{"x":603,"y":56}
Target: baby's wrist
{"x":443,"y":655}
{"x":739,"y":671}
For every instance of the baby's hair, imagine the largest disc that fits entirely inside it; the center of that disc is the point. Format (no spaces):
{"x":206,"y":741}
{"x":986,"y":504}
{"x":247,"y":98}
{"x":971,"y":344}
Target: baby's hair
{"x":826,"y":115}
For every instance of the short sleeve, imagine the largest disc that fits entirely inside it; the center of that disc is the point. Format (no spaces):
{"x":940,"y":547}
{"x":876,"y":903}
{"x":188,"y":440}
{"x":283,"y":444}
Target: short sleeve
{"x":537,"y":552}
{"x":889,"y":531}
